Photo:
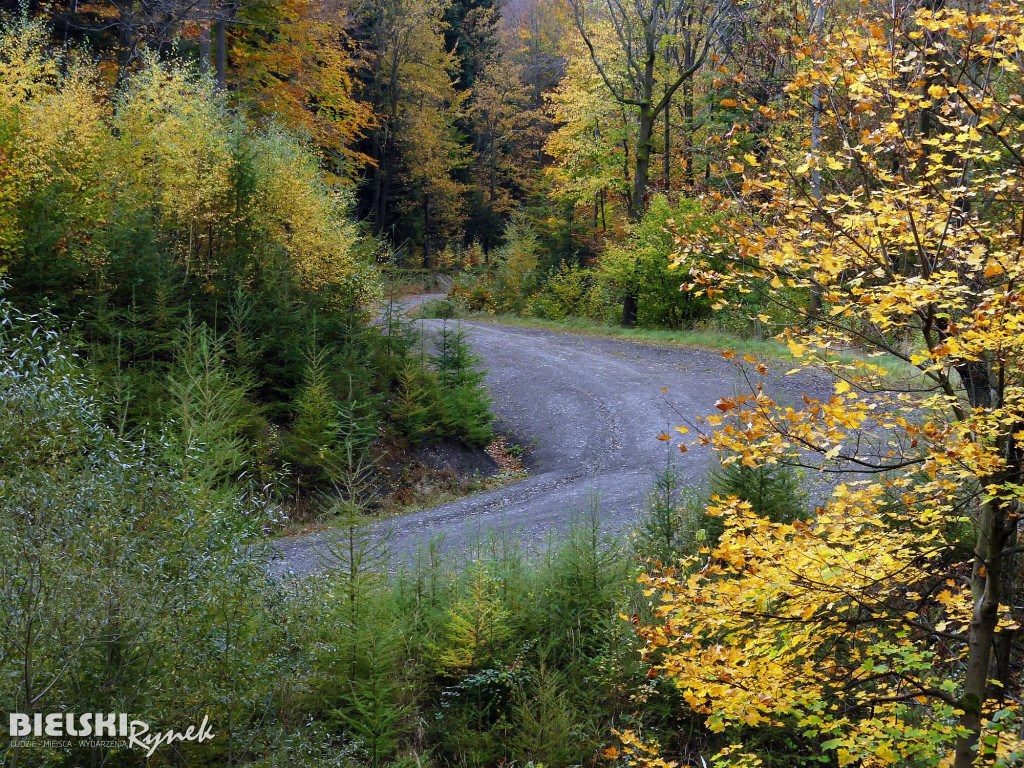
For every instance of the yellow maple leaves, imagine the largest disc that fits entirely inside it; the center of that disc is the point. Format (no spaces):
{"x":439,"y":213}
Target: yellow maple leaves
{"x":892,"y":237}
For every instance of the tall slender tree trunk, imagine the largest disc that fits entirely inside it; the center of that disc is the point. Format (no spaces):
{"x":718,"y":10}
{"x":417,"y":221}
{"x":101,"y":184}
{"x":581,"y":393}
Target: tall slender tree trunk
{"x":221,"y":46}
{"x":986,"y":589}
{"x":205,"y":42}
{"x":427,"y":256}
{"x":688,"y":177}
{"x":817,"y":26}
{"x":641,"y":177}
{"x":377,"y":206}
{"x":125,"y":37}
{"x":667,"y":169}
{"x":642,"y":170}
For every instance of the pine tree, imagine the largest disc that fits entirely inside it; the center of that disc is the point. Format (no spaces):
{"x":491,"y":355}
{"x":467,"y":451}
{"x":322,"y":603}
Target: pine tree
{"x":773,"y":490}
{"x":209,"y":406}
{"x":466,"y":404}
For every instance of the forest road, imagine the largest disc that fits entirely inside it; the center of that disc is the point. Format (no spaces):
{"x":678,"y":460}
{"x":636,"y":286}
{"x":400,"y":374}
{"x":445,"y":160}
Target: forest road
{"x":588,"y":410}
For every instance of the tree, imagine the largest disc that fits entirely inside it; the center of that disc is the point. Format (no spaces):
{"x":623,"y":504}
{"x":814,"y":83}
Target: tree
{"x":410,"y":84}
{"x":500,"y":114}
{"x":642,"y":33}
{"x":914,"y":246}
{"x":295,"y":65}
{"x":643,"y":30}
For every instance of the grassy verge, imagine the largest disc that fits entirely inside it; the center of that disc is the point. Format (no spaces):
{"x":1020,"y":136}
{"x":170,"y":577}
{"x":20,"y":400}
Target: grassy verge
{"x":693,"y":339}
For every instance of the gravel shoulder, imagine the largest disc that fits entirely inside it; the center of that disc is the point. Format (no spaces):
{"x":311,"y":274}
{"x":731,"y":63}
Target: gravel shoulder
{"x":589,"y":410}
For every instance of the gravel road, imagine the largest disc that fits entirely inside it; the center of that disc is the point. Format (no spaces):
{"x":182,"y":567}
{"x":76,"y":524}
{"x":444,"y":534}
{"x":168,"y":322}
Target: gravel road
{"x":590,"y":410}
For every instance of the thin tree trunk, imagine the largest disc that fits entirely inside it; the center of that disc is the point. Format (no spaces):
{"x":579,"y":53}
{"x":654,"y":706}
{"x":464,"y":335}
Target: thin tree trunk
{"x":643,"y":162}
{"x":126,"y":37}
{"x":205,"y":43}
{"x":688,"y":133}
{"x":221,"y":50}
{"x":638,"y":203}
{"x":426,"y":231}
{"x":816,"y":29}
{"x":667,"y":170}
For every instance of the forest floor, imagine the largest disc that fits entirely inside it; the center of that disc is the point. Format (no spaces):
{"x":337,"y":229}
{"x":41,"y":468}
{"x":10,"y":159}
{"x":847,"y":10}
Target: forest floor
{"x":588,"y":410}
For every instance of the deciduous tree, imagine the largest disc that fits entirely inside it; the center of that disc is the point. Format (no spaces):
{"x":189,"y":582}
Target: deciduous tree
{"x":884,"y":629}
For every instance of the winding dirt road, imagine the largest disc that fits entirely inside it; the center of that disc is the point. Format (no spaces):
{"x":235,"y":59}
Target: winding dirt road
{"x":590,"y":409}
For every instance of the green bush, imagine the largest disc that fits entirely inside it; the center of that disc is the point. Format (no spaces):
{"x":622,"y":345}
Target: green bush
{"x":571,"y":291}
{"x":640,"y":265}
{"x":204,"y":272}
{"x":466,"y":406}
{"x":135,"y":588}
{"x":674,"y":525}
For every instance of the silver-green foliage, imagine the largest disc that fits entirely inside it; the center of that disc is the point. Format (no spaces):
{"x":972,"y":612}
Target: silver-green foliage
{"x":124,"y":586}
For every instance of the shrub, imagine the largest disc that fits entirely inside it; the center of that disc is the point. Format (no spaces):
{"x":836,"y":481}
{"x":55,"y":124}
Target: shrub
{"x":571,"y":291}
{"x":515,"y":272}
{"x":640,"y":265}
{"x":134,"y":588}
{"x":466,"y":406}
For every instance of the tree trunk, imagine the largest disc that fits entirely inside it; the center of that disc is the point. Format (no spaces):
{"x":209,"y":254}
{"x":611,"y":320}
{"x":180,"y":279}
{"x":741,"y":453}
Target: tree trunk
{"x":629,"y":302}
{"x":688,"y":132}
{"x":426,"y":232}
{"x":221,"y":51}
{"x":205,"y":43}
{"x":641,"y":176}
{"x":667,"y":168}
{"x":125,"y":37}
{"x":642,"y":171}
{"x":986,"y":588}
{"x":817,"y":25}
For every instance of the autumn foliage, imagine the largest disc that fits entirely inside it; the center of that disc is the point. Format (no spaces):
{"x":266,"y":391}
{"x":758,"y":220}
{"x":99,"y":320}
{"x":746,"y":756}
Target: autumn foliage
{"x":881,"y":630}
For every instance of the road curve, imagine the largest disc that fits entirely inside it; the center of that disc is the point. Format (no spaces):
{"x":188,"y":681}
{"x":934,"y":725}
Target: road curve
{"x":590,"y":410}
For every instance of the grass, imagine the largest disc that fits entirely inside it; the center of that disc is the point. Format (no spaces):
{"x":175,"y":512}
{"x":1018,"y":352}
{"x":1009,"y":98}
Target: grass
{"x":691,"y":339}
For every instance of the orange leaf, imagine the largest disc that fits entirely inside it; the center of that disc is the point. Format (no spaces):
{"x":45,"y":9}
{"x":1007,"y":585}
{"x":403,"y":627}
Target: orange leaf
{"x":725,"y":405}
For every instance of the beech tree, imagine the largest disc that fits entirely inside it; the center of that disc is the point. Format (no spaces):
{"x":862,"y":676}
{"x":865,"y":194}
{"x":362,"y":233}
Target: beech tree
{"x":295,"y":65}
{"x":894,"y":605}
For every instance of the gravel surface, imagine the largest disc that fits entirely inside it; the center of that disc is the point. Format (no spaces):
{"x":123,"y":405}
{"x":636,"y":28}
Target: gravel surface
{"x":588,"y":410}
